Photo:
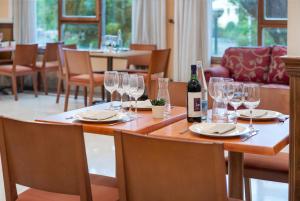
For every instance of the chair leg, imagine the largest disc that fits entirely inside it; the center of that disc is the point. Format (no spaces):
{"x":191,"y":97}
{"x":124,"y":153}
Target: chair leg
{"x":45,"y":83}
{"x":85,"y":96}
{"x":14,"y":87}
{"x":76,"y":92}
{"x":35,"y":84}
{"x":59,"y":84}
{"x":91,"y":95}
{"x":67,"y":97}
{"x":248,"y":193}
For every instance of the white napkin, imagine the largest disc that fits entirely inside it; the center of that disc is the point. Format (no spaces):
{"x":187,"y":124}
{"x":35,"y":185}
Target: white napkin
{"x":218,"y":128}
{"x":98,"y":115}
{"x":140,"y":104}
{"x":255,"y":113}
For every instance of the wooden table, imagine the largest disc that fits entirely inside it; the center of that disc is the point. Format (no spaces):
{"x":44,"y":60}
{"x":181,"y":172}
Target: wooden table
{"x":7,"y":49}
{"x":271,"y":139}
{"x":144,"y":124}
{"x":121,"y":55}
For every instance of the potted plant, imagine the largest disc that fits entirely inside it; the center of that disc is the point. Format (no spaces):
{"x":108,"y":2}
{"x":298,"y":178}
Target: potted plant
{"x":158,"y":108}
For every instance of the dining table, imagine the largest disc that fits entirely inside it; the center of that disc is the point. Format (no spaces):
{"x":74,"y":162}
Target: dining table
{"x":142,"y":124}
{"x":122,"y":54}
{"x":272,"y":137}
{"x":7,"y":49}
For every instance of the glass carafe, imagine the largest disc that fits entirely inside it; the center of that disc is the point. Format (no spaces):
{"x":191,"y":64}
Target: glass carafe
{"x":163,"y":93}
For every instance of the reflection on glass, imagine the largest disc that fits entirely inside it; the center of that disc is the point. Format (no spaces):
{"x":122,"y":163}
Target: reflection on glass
{"x":276,"y":9}
{"x":79,"y":8}
{"x":273,"y":36}
{"x":84,"y":35}
{"x":234,"y":24}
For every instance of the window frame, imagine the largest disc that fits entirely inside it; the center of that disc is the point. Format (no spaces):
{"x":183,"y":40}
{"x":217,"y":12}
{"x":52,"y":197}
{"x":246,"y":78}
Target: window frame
{"x":80,"y":20}
{"x":262,"y":23}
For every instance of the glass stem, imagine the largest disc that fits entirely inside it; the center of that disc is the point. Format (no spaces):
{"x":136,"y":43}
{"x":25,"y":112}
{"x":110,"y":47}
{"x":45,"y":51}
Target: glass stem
{"x":121,"y":102}
{"x":111,"y":100}
{"x":136,"y":106}
{"x":236,"y":116}
{"x":251,"y":125}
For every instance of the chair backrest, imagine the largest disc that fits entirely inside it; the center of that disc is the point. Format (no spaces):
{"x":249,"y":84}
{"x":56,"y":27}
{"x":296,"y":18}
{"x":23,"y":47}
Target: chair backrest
{"x":25,"y":55}
{"x":158,"y":169}
{"x":78,"y":62}
{"x":141,"y":60}
{"x":51,"y":52}
{"x":159,"y":61}
{"x":61,"y":56}
{"x":45,"y":157}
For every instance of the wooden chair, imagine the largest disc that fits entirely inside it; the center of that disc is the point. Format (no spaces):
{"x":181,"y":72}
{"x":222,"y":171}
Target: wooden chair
{"x":49,"y":63}
{"x":140,"y":61}
{"x":61,"y":75}
{"x":158,"y":67}
{"x":51,"y":160}
{"x":80,"y":73}
{"x":158,"y":169}
{"x":23,"y":64}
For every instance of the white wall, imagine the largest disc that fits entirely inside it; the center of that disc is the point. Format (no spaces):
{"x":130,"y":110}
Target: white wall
{"x":294,"y":27}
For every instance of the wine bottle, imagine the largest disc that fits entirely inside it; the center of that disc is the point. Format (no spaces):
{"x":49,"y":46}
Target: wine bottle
{"x":194,"y":97}
{"x":204,"y":91}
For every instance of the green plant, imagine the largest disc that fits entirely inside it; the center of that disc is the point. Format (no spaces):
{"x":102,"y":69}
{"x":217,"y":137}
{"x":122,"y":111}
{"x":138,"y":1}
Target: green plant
{"x":158,"y":102}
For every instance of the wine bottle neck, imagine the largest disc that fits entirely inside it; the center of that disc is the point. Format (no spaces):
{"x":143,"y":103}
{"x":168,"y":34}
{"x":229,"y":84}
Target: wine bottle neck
{"x":194,"y":76}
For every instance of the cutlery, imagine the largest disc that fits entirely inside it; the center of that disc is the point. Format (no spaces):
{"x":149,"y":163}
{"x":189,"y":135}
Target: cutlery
{"x":283,"y":118}
{"x":247,"y":137}
{"x":184,"y":131}
{"x":124,"y":121}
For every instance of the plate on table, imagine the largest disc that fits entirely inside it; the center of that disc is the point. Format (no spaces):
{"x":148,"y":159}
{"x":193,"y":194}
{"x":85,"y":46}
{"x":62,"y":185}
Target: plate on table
{"x":259,"y":114}
{"x":141,"y":105}
{"x":219,"y":129}
{"x":100,"y":116}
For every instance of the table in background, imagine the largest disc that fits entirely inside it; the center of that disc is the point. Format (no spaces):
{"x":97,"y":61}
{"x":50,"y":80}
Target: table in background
{"x":144,"y":124}
{"x":120,"y":55}
{"x":271,"y":139}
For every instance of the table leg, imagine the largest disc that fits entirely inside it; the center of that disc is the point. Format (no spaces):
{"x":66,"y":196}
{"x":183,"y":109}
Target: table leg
{"x":236,"y":174}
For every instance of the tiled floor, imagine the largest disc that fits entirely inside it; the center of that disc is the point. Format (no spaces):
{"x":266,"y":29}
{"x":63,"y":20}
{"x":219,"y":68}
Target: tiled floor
{"x":100,"y":149}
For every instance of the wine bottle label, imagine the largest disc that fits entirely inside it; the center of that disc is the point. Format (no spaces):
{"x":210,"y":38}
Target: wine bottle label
{"x":194,"y":104}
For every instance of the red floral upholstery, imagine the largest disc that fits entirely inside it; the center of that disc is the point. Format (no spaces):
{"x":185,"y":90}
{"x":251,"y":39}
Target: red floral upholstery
{"x":277,"y":73}
{"x":248,"y":64}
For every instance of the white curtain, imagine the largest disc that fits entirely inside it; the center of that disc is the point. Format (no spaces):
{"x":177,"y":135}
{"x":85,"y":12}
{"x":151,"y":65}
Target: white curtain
{"x":149,"y":22}
{"x":191,"y":36}
{"x":24,"y":21}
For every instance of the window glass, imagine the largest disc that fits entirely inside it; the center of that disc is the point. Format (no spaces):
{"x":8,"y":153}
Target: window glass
{"x":47,"y":14}
{"x":234,"y":24}
{"x":117,"y":16}
{"x":79,"y":8}
{"x":273,"y":36}
{"x":84,"y":35}
{"x":276,"y":9}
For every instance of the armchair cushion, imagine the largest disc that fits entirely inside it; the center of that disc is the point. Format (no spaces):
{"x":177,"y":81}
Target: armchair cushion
{"x":248,"y":64}
{"x":218,"y":71}
{"x":277,"y":73}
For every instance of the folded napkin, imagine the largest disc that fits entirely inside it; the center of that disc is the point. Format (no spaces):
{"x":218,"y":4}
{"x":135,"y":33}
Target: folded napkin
{"x":98,"y":115}
{"x":255,"y":113}
{"x":218,"y":128}
{"x":140,"y":104}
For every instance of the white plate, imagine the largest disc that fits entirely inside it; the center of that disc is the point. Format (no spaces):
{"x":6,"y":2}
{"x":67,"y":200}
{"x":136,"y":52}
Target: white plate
{"x":117,"y":117}
{"x":270,"y":115}
{"x":238,"y":131}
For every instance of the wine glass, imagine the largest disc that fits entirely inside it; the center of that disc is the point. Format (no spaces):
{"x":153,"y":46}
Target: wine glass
{"x":238,"y":98}
{"x":123,"y":81}
{"x":228,"y":93}
{"x":140,"y":90}
{"x":212,"y":90}
{"x":1,"y":37}
{"x":252,"y":100}
{"x":215,"y":90}
{"x":133,"y":86}
{"x":111,"y":82}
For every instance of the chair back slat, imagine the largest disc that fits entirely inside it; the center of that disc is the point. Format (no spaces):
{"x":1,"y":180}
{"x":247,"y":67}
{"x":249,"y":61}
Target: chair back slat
{"x":159,"y":62}
{"x":77,"y":62}
{"x":158,"y":169}
{"x":140,"y":60}
{"x":61,"y":56}
{"x":25,"y":55}
{"x":45,"y":157}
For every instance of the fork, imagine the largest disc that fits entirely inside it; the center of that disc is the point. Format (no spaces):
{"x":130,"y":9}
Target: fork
{"x":250,"y":135}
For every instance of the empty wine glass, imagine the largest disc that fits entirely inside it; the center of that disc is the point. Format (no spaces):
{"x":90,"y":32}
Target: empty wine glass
{"x":123,"y":81}
{"x":111,"y":82}
{"x":238,"y":98}
{"x":140,"y":90}
{"x":228,"y":93}
{"x":133,"y":87}
{"x":252,"y":100}
{"x":215,"y":90}
{"x":212,"y":90}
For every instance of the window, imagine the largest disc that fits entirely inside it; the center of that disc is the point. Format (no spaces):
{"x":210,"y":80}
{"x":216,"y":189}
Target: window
{"x":248,"y":23}
{"x":47,"y":28}
{"x":117,"y":16}
{"x":80,"y":22}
